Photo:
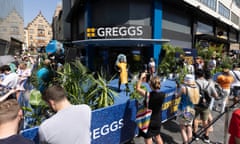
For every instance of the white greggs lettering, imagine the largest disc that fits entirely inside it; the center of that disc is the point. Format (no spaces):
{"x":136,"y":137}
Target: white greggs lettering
{"x":116,"y":31}
{"x":107,"y":128}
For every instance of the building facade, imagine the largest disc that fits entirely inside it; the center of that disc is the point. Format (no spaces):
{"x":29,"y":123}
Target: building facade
{"x":39,"y":32}
{"x":11,"y":24}
{"x":185,"y":23}
{"x":57,"y":24}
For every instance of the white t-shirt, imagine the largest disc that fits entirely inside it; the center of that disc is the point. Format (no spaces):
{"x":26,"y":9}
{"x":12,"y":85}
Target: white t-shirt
{"x":68,"y":126}
{"x":10,"y":80}
{"x":236,"y":81}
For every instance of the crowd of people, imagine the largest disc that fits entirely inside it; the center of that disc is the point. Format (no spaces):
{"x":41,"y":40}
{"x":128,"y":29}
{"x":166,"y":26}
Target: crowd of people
{"x":12,"y":83}
{"x":199,"y":92}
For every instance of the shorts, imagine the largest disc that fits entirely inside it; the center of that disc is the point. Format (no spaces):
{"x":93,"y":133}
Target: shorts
{"x":184,"y":118}
{"x":236,"y":91}
{"x":203,"y":112}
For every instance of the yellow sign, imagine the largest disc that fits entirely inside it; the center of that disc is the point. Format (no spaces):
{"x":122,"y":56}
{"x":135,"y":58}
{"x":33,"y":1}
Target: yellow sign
{"x":189,"y":59}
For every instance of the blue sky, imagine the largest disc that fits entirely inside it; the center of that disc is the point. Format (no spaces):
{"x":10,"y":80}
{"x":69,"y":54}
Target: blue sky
{"x":33,"y":7}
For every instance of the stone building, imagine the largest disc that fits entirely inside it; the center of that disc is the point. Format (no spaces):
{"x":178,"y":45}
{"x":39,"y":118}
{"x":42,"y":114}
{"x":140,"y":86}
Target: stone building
{"x":39,"y":32}
{"x":11,"y":26}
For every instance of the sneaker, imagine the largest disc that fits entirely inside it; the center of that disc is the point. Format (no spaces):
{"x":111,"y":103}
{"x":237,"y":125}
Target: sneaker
{"x":195,"y":136}
{"x":206,"y":139}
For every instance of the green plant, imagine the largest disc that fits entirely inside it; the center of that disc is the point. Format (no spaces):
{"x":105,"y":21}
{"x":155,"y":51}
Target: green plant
{"x":74,"y":78}
{"x":38,"y":110}
{"x":99,"y":94}
{"x":135,"y":94}
{"x":169,"y":61}
{"x":82,"y":87}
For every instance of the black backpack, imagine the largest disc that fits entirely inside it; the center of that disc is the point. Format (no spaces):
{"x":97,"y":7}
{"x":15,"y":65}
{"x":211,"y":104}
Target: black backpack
{"x":219,"y":90}
{"x":205,"y":98}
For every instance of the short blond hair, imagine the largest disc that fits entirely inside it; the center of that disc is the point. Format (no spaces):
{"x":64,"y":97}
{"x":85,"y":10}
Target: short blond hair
{"x":8,"y":110}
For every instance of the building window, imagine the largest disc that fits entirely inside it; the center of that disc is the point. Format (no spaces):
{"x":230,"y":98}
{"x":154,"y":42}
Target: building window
{"x":41,"y":31}
{"x":223,"y":10}
{"x":212,"y":4}
{"x":237,"y":2}
{"x":40,"y":26}
{"x":31,"y":31}
{"x":234,"y":18}
{"x":203,"y":28}
{"x":14,"y":29}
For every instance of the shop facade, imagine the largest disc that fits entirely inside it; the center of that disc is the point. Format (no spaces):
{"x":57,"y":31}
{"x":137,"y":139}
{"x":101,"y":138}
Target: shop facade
{"x":181,"y":23}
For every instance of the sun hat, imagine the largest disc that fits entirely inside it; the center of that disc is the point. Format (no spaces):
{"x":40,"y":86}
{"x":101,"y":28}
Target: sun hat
{"x":189,"y":79}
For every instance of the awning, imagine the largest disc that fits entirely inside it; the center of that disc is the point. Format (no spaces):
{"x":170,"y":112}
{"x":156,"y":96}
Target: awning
{"x":120,"y":42}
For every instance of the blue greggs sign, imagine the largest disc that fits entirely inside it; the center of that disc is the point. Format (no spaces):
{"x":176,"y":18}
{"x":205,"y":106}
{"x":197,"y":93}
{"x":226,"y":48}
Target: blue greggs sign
{"x":116,"y":124}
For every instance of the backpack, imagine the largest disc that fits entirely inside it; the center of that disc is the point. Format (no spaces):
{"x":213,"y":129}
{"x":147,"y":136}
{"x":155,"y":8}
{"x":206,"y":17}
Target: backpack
{"x":219,"y":90}
{"x":205,"y":98}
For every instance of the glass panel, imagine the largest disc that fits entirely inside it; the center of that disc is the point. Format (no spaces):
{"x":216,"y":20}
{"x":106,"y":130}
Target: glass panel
{"x":235,"y":18}
{"x":223,"y":10}
{"x":212,"y":4}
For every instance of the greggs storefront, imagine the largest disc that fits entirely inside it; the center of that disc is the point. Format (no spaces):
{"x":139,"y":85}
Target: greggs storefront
{"x":105,"y":28}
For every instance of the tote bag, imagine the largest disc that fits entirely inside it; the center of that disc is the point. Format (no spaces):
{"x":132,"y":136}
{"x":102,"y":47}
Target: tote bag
{"x":143,"y":116}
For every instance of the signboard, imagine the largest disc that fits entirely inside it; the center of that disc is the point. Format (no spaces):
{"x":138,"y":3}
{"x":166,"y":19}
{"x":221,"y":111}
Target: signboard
{"x":128,"y":31}
{"x":115,"y":124}
{"x":170,"y":106}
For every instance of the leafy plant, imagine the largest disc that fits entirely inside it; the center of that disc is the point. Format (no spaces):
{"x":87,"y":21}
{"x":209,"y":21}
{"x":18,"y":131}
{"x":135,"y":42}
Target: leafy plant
{"x":135,"y":94}
{"x":169,"y":61}
{"x":83,"y":87}
{"x":38,"y":110}
{"x":74,"y":77}
{"x":99,"y":94}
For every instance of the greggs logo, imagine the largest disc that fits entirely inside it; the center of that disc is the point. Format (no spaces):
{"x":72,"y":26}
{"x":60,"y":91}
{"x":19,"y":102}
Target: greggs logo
{"x":123,"y":31}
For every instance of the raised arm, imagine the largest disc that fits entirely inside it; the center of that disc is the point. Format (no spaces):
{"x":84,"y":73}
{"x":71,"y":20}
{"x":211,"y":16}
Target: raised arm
{"x":140,"y":90}
{"x":2,"y":98}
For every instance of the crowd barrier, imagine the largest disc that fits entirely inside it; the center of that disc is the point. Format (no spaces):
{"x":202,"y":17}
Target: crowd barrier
{"x":116,"y":124}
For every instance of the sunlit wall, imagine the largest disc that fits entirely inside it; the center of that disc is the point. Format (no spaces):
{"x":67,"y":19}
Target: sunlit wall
{"x":11,"y":20}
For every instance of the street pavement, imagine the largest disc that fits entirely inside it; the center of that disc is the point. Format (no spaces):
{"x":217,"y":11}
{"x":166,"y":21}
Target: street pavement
{"x":170,"y":131}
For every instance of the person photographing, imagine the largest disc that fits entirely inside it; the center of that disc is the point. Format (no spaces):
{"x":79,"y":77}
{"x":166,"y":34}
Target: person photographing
{"x":155,"y":104}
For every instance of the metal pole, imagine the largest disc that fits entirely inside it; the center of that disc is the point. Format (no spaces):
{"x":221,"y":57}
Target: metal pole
{"x":226,"y":125}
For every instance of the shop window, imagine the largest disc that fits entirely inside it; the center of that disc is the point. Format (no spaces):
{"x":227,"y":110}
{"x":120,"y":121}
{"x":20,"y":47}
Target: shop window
{"x":223,"y":10}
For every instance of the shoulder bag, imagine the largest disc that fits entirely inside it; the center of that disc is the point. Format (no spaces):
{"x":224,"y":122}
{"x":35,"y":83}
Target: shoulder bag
{"x":144,"y":115}
{"x":236,"y":76}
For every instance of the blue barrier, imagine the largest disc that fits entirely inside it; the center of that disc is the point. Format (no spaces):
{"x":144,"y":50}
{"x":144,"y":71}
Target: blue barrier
{"x":116,"y":124}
